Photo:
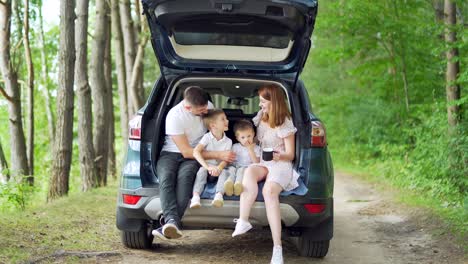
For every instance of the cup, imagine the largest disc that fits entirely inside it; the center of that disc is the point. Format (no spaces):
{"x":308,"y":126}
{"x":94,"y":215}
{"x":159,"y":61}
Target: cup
{"x":267,"y":154}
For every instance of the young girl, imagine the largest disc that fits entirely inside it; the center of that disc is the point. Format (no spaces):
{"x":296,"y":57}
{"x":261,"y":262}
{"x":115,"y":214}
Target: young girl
{"x":274,"y":129}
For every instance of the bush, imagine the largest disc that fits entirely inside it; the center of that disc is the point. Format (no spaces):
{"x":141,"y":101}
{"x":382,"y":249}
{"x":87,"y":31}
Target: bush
{"x":15,"y":195}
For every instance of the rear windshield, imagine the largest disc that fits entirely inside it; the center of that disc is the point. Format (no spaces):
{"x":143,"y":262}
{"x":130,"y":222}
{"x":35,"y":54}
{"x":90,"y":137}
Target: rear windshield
{"x":232,"y":32}
{"x":246,"y":106}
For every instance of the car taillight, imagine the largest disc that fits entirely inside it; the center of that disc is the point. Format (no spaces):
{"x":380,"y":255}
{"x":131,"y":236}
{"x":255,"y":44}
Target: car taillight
{"x":318,"y":136}
{"x":315,"y":208}
{"x":134,"y":131}
{"x":131,"y":199}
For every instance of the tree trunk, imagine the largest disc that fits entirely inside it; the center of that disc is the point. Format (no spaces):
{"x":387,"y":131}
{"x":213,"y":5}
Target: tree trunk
{"x":85,"y":132}
{"x":112,"y":161}
{"x":137,"y":74}
{"x":453,"y":67}
{"x":128,"y":31}
{"x":110,"y":104}
{"x":17,"y":39}
{"x":438,"y":6}
{"x":137,"y":71}
{"x":140,"y":29}
{"x":19,"y":163}
{"x":404,"y":75}
{"x":61,"y":162}
{"x":30,"y":117}
{"x":100,"y":92}
{"x":4,"y":173}
{"x":45,"y":80}
{"x":120,"y":65}
{"x":138,"y":24}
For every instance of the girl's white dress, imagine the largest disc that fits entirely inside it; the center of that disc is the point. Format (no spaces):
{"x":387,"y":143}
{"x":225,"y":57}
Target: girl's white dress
{"x":280,"y":172}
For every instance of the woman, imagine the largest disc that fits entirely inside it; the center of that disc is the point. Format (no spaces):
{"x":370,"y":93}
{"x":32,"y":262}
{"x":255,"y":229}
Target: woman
{"x":274,"y":129}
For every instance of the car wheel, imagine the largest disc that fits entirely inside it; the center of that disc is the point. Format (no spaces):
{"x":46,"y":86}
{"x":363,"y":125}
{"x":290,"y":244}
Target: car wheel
{"x":142,"y":239}
{"x":309,"y":248}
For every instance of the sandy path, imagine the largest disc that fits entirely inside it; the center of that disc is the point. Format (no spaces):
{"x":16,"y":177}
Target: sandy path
{"x":369,"y":228}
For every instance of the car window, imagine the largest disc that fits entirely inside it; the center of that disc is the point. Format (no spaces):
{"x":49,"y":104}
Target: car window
{"x":237,"y":32}
{"x":250,"y":105}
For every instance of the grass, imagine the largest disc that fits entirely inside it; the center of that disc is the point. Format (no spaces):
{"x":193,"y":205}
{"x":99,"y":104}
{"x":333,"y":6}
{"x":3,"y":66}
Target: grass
{"x":81,"y":221}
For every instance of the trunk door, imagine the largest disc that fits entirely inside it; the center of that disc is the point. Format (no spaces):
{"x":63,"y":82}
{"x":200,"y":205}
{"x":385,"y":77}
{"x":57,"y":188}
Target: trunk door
{"x":245,"y":36}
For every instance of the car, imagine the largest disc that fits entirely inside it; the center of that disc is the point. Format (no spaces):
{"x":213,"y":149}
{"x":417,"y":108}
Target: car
{"x":229,"y":48}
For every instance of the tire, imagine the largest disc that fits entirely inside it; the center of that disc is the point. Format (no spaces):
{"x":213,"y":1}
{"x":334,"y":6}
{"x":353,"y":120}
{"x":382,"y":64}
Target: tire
{"x":142,"y":239}
{"x":309,"y":248}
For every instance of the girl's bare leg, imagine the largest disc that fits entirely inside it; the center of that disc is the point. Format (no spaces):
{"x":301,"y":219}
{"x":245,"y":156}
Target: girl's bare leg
{"x":271,"y":192}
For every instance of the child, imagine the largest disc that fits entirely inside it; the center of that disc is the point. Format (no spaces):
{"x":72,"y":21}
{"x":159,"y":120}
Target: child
{"x":215,"y":140}
{"x":247,"y":152}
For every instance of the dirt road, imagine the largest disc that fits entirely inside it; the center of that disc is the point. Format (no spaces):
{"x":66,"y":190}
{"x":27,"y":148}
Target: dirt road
{"x":369,"y":228}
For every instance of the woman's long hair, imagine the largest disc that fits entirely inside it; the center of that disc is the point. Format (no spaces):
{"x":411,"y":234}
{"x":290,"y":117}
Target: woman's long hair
{"x":278,"y":109}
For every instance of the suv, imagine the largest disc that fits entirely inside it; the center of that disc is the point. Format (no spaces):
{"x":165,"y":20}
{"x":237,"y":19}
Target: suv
{"x":229,"y":48}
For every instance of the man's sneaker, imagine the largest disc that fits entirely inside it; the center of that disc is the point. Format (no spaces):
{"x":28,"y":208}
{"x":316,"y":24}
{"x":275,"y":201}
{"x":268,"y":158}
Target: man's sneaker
{"x":159,"y":233}
{"x":241,"y":227}
{"x":195,"y":202}
{"x":277,"y":256}
{"x":238,"y":188}
{"x":218,"y":200}
{"x":228,"y":187}
{"x":171,"y":229}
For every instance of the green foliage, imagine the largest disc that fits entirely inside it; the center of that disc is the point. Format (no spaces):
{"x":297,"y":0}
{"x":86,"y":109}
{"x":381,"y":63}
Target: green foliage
{"x":363,"y":54}
{"x":14,"y":195}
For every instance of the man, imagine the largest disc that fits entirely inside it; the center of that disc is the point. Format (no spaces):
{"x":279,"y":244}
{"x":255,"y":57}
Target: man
{"x":176,"y":167}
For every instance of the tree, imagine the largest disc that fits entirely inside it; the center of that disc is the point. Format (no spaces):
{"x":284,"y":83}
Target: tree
{"x":129,"y":38}
{"x":453,"y":66}
{"x":30,"y":86}
{"x":100,"y":91}
{"x":85,"y":132}
{"x":4,"y":174}
{"x":60,"y":173}
{"x":19,"y":163}
{"x":110,"y":103}
{"x":120,"y":67}
{"x":45,"y":78}
{"x":137,"y":70}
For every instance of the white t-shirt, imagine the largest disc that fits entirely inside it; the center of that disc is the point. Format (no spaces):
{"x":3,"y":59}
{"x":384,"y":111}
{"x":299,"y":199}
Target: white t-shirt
{"x":179,"y":121}
{"x":242,"y":155}
{"x":212,"y":144}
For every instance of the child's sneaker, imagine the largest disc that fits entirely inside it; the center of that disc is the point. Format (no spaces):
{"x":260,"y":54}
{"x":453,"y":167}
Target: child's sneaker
{"x":218,"y":200}
{"x":195,"y":202}
{"x":228,"y":187}
{"x":241,"y":227}
{"x":238,"y":188}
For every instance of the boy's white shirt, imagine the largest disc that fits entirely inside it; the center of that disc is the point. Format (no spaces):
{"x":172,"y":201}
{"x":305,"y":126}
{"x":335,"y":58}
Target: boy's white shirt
{"x":210,"y":143}
{"x":242,"y":155}
{"x":179,"y":121}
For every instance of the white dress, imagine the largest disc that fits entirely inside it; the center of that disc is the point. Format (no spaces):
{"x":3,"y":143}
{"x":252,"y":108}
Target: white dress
{"x":281,"y":171}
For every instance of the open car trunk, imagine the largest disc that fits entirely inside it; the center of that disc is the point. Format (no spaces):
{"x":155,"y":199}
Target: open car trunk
{"x":239,"y":100}
{"x":248,"y":36}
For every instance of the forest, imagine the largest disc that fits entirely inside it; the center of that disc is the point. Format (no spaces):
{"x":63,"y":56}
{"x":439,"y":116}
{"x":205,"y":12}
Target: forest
{"x":388,"y":79}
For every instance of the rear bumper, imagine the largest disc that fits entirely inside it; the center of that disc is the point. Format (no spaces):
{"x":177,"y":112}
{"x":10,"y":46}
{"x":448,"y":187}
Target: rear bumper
{"x":293,"y":213}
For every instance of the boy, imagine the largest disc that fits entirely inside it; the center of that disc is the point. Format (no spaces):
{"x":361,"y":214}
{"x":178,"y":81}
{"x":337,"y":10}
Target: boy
{"x":247,"y":152}
{"x":215,"y":140}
